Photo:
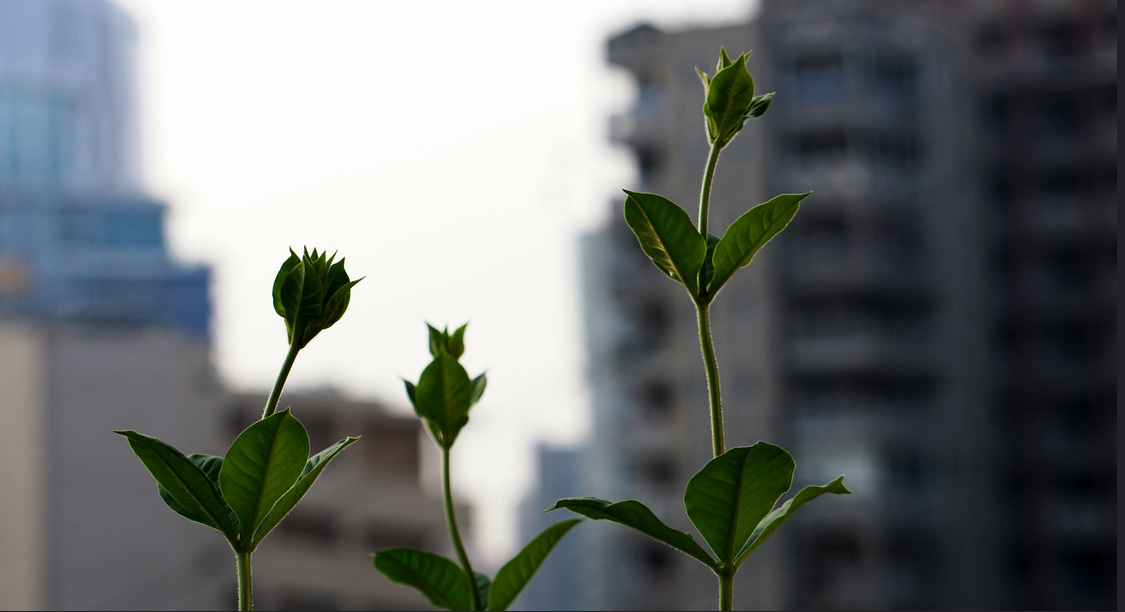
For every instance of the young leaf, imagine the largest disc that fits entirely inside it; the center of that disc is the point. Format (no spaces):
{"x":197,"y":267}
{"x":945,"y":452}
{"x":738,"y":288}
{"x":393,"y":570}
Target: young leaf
{"x":437,"y":340}
{"x":729,"y":96}
{"x":188,"y":485}
{"x":289,"y":499}
{"x":484,"y":586}
{"x":759,"y":105}
{"x":302,"y":294}
{"x":631,"y":513}
{"x":728,"y":497}
{"x":515,"y":574}
{"x":775,"y":519}
{"x":456,"y":344}
{"x":441,"y":580}
{"x":667,"y":236}
{"x":262,"y":464}
{"x":279,"y":281}
{"x":210,"y":465}
{"x":749,"y":233}
{"x":479,"y":383}
{"x":444,"y":395}
{"x":337,"y":304}
{"x":708,"y":269}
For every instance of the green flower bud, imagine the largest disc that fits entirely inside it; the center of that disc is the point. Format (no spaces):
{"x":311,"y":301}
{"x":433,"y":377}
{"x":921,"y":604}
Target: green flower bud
{"x":311,"y":293}
{"x":729,"y":99}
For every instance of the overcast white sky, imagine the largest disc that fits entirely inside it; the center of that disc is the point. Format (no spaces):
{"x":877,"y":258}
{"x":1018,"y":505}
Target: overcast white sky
{"x":452,"y":152}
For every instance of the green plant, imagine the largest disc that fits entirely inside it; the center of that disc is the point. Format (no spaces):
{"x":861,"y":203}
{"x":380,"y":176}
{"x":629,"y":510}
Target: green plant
{"x":731,"y":501}
{"x":267,"y":468}
{"x":442,"y":399}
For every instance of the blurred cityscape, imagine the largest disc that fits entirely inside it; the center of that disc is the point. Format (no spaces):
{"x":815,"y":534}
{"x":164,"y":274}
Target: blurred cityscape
{"x":100,"y":330}
{"x":938,"y":324}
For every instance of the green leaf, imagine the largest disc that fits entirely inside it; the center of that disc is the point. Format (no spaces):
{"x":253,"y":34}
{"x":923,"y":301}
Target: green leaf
{"x":704,"y":78}
{"x":732,"y":493}
{"x":708,"y":269}
{"x":456,"y":344}
{"x":337,"y":304}
{"x":185,"y":482}
{"x":262,"y":464}
{"x":667,"y":236}
{"x":728,"y":98}
{"x":210,"y":465}
{"x":479,"y":383}
{"x":749,"y":233}
{"x":279,"y":281}
{"x":441,"y":580}
{"x":775,"y":519}
{"x":513,"y":577}
{"x":313,"y":467}
{"x":759,"y":106}
{"x":444,"y":395}
{"x":484,"y":586}
{"x":437,"y":343}
{"x":303,"y":294}
{"x":411,"y":392}
{"x":631,"y":513}
{"x":724,"y":59}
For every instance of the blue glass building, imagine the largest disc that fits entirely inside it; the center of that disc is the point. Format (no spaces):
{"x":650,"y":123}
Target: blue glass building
{"x":79,"y":241}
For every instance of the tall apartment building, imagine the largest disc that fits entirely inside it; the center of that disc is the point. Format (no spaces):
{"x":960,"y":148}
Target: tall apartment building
{"x":937,"y":323}
{"x":371,"y":497}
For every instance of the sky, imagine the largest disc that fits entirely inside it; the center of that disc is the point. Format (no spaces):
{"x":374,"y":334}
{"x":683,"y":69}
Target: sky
{"x":452,"y":152}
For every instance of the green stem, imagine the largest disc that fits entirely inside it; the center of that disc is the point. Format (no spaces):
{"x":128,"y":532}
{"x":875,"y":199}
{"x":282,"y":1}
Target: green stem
{"x":726,"y":590}
{"x":454,"y":532}
{"x":705,"y":191}
{"x":275,"y":394}
{"x":711,"y":365}
{"x":245,"y":587}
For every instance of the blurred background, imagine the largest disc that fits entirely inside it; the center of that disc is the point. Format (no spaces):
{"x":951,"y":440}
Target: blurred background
{"x":938,"y":323}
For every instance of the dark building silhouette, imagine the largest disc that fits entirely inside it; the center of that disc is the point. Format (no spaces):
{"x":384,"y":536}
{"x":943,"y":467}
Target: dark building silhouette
{"x":937,"y":323}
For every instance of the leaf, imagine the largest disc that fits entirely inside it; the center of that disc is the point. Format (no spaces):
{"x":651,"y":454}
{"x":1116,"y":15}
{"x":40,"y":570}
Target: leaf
{"x":313,"y":467}
{"x":728,"y":497}
{"x":337,"y":303}
{"x":479,"y":383}
{"x":749,"y":233}
{"x":262,"y":464}
{"x":437,"y":343}
{"x":513,"y":577}
{"x":728,"y":98}
{"x":704,"y":78}
{"x":484,"y":586}
{"x":456,"y":344}
{"x":302,"y":294}
{"x":667,"y":236}
{"x":708,"y":269}
{"x":724,"y":59}
{"x":631,"y":513}
{"x":759,"y":106}
{"x":279,"y":281}
{"x":210,"y":465}
{"x":444,"y":395}
{"x":188,"y":485}
{"x":775,"y":519}
{"x":441,"y":580}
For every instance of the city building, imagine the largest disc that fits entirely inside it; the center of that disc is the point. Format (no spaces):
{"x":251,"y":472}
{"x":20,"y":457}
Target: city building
{"x":937,"y":323}
{"x":79,"y":240}
{"x":371,"y":497}
{"x":81,"y":524}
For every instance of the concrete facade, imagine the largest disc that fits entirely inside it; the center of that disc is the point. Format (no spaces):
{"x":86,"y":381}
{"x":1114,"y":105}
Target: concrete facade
{"x":935,"y":323}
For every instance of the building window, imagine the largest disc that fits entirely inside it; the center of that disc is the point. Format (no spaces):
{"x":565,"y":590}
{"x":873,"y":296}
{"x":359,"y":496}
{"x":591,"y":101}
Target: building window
{"x":817,"y":78}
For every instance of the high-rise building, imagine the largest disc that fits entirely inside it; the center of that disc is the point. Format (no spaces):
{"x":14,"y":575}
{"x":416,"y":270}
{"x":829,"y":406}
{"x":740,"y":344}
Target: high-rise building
{"x":79,"y":240}
{"x":937,"y":323}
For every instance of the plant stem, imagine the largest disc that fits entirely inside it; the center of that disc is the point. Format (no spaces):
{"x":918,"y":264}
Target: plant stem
{"x":275,"y":394}
{"x":705,"y":191}
{"x":454,"y":532}
{"x":726,"y":590}
{"x":711,"y":365}
{"x":245,"y":587}
{"x":702,"y":312}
